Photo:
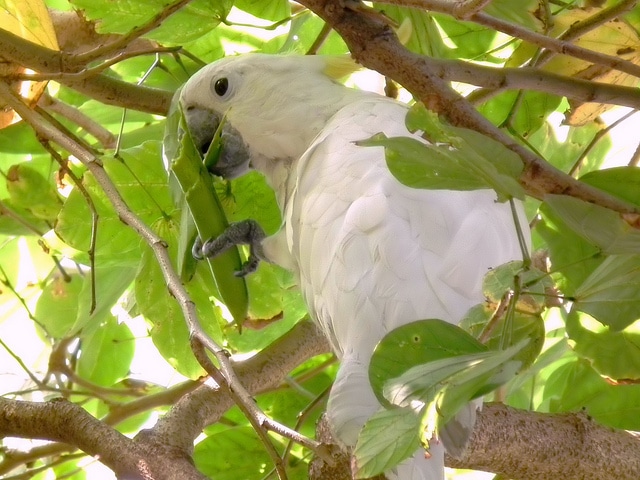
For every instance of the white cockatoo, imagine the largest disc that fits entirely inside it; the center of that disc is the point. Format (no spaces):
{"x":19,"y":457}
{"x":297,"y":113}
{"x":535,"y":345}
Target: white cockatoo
{"x":370,"y":253}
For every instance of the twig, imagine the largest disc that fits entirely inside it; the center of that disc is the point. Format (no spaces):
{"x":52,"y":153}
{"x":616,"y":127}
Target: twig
{"x":465,"y":9}
{"x":530,"y":78}
{"x":104,"y":136}
{"x":103,"y":88}
{"x":575,"y":169}
{"x":8,"y":212}
{"x":320,"y":39}
{"x":7,"y":283}
{"x":249,"y":408}
{"x":123,"y":41}
{"x":93,"y":211}
{"x":24,"y":367}
{"x":89,"y":72}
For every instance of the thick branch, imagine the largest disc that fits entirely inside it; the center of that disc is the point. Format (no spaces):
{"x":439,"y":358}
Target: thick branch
{"x":372,"y":43}
{"x":100,"y":87}
{"x":66,"y":422}
{"x":536,"y":446}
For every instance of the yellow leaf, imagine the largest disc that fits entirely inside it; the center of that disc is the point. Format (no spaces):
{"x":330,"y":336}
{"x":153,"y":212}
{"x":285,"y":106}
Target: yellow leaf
{"x":615,"y":38}
{"x":30,"y":20}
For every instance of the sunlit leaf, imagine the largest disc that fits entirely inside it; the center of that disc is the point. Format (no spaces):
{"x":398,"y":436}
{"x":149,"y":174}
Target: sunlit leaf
{"x":576,"y":386}
{"x":600,"y":226}
{"x":388,"y":437}
{"x":106,"y":353}
{"x":611,"y":294}
{"x":122,"y":16}
{"x":57,"y":307}
{"x":572,"y":257}
{"x":414,"y":344}
{"x":30,"y":20}
{"x":623,"y":182}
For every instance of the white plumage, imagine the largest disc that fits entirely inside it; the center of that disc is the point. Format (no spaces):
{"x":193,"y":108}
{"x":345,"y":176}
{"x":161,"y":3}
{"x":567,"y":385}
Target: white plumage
{"x":371,"y":254}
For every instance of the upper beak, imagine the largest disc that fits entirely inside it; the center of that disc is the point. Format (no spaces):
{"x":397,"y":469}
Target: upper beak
{"x":202,"y":124}
{"x":234,"y":158}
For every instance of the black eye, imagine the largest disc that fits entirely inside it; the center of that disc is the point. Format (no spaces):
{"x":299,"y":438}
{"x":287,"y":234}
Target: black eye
{"x":221,"y":86}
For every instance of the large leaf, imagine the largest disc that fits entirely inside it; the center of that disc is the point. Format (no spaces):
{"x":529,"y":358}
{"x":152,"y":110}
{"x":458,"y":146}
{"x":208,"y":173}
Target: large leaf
{"x":464,"y":378}
{"x":122,"y":16}
{"x":415,"y":344}
{"x":218,"y":455}
{"x":106,"y":353}
{"x":572,"y":257}
{"x":576,"y":386}
{"x":623,"y":182}
{"x":611,"y":293}
{"x":142,"y":183}
{"x":613,"y":354}
{"x":388,"y":437}
{"x":600,"y":226}
{"x":455,"y":158}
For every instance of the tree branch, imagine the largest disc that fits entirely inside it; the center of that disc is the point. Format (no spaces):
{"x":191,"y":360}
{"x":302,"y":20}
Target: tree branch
{"x":530,"y":78}
{"x":262,"y":372}
{"x":372,"y":44}
{"x":67,"y":422}
{"x":105,"y":89}
{"x":536,"y":446}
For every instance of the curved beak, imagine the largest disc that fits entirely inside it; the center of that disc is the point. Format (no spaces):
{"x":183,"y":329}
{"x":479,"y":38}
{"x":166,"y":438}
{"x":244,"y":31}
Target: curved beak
{"x":234,"y":157}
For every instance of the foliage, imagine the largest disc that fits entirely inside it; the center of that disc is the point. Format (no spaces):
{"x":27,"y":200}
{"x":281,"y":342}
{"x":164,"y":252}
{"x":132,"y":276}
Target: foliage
{"x":83,"y":293}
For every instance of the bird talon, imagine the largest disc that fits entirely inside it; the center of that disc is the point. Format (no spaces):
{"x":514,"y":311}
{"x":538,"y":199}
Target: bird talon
{"x":196,"y":249}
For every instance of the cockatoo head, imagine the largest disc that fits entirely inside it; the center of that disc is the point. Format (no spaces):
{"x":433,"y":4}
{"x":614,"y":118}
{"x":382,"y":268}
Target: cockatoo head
{"x":273,"y":106}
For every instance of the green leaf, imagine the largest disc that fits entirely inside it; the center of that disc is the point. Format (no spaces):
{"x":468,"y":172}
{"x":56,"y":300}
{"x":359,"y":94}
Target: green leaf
{"x":458,"y":159}
{"x":388,"y":437}
{"x":572,"y":257}
{"x":141,"y":181}
{"x":527,"y":13}
{"x":524,"y":112}
{"x":600,"y":226}
{"x":425,"y":37}
{"x":122,"y":16}
{"x":169,"y":331}
{"x":106,"y":353}
{"x":565,"y":152}
{"x":30,"y":190}
{"x":111,"y":283}
{"x":249,"y":196}
{"x":613,"y":354}
{"x":509,"y":329}
{"x":415,"y":344}
{"x":473,"y":41}
{"x":465,"y":377}
{"x":219,"y":455}
{"x":623,"y":182}
{"x":577,"y":386}
{"x":274,"y":10}
{"x":57,"y":307}
{"x":611,"y":294}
